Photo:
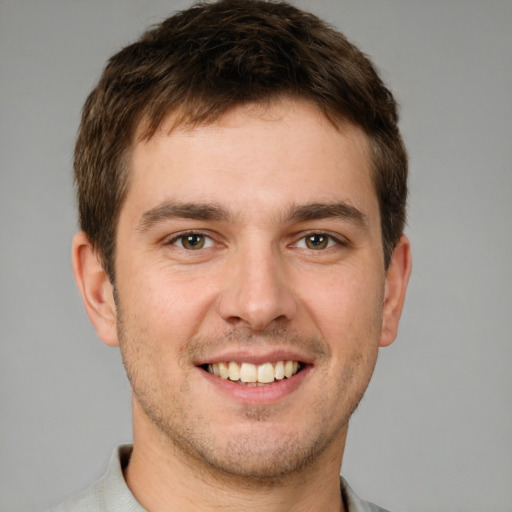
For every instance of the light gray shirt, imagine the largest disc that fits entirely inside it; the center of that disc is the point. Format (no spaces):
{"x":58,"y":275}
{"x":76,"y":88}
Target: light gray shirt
{"x":111,"y":494}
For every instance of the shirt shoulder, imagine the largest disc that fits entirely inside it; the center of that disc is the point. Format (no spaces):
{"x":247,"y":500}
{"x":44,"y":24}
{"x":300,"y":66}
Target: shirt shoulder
{"x":92,"y":500}
{"x":354,"y":503}
{"x":109,"y":494}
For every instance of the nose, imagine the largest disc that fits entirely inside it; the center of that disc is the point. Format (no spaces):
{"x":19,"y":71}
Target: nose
{"x":257,"y":293}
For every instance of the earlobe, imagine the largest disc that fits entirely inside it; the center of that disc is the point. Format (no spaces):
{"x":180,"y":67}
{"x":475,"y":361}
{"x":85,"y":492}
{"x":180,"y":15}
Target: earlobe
{"x":95,"y":288}
{"x":397,"y":277}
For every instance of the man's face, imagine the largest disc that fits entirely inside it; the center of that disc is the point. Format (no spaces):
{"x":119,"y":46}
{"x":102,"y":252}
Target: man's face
{"x":242,"y":245}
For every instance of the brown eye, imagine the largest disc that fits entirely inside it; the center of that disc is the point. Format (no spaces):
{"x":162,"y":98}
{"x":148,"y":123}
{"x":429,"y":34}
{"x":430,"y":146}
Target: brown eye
{"x":317,"y":241}
{"x":193,"y":241}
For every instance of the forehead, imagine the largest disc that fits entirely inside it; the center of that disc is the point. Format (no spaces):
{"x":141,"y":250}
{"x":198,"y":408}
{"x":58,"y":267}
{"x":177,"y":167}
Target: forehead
{"x":256,"y":156}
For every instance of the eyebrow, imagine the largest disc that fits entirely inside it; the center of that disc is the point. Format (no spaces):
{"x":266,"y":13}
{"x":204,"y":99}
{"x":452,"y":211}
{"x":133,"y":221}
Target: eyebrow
{"x":214,"y":212}
{"x":338,"y":210}
{"x":171,"y":209}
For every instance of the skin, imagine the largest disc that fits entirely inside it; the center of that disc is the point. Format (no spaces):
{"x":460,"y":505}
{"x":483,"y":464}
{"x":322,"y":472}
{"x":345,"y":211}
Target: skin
{"x":244,"y":187}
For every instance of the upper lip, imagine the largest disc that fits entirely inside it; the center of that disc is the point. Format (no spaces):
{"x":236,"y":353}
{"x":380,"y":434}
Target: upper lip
{"x":255,"y":356}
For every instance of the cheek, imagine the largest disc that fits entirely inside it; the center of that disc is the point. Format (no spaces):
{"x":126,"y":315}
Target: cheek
{"x":345,"y":305}
{"x":163,"y":305}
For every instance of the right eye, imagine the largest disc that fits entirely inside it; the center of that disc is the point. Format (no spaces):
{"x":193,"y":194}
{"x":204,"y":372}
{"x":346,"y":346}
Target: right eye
{"x":192,"y":241}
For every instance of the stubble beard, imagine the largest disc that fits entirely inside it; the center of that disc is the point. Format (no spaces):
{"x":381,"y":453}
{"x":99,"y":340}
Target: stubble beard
{"x":255,"y":457}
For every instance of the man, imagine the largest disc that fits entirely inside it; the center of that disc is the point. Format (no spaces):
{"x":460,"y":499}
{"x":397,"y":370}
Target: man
{"x":242,"y":186}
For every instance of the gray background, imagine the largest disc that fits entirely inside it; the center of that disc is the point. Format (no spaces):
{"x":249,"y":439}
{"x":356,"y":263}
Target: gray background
{"x":434,"y":432}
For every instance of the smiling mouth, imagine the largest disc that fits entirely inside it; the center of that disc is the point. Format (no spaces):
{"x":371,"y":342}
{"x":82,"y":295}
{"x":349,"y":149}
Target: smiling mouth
{"x":254,"y":375}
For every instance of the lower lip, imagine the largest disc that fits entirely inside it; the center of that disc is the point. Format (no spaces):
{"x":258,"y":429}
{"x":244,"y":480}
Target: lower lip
{"x":258,"y":395}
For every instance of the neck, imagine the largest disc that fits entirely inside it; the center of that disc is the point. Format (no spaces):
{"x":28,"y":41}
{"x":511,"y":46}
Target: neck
{"x":163,"y":478}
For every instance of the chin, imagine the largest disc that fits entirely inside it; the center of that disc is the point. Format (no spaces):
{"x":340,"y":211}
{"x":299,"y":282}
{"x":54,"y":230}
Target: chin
{"x":262,"y":460}
{"x":259,"y":454}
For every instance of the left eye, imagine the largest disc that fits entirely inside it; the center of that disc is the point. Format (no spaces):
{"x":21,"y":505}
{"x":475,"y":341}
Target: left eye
{"x":193,"y":241}
{"x":317,"y":242}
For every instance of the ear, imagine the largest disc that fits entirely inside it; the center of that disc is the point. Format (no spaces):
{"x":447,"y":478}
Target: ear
{"x":397,"y":277}
{"x":95,"y":288}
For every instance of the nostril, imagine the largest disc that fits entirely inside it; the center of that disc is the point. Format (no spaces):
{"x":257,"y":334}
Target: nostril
{"x":255,"y":299}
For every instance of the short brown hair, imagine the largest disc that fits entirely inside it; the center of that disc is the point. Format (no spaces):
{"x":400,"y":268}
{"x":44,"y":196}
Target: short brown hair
{"x":205,"y":60}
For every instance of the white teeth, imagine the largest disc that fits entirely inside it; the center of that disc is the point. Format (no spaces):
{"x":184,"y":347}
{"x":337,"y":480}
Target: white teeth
{"x":266,"y":373}
{"x":279,"y":370}
{"x":251,"y":374}
{"x":223,"y":370}
{"x":233,"y":371}
{"x":288,"y":369}
{"x":248,"y":372}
